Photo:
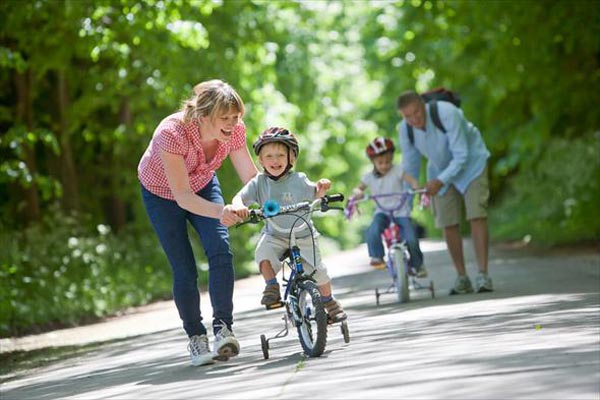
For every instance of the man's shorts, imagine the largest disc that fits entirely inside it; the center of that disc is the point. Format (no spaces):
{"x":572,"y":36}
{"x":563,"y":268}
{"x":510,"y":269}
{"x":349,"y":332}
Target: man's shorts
{"x":271,"y":248}
{"x":448,"y":208}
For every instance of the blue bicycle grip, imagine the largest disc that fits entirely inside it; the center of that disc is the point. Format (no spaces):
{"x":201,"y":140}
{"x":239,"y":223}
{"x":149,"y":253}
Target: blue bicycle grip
{"x":271,"y":208}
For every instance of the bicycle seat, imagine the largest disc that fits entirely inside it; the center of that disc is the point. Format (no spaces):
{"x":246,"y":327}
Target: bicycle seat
{"x":286,"y":254}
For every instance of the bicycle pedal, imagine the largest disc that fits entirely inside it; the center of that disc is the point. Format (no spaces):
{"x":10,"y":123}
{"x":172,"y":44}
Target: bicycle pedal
{"x":274,"y":305}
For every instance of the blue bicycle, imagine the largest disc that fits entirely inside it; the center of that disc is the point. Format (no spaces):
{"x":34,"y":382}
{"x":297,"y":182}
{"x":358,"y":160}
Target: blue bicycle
{"x":302,"y":299}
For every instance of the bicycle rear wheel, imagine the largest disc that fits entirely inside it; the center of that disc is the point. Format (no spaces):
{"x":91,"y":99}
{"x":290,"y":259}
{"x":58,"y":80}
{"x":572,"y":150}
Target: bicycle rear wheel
{"x":312,"y":331}
{"x":401,"y":277}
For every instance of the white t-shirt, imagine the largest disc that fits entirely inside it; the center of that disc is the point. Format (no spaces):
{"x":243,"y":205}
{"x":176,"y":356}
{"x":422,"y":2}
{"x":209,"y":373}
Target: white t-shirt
{"x":391,"y":182}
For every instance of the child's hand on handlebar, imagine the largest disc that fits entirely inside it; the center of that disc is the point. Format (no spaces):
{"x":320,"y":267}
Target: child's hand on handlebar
{"x":323,"y":186}
{"x":242,"y":211}
{"x":357,"y":194}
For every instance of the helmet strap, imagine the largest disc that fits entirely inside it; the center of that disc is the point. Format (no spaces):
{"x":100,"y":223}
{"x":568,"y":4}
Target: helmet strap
{"x":276,"y":178}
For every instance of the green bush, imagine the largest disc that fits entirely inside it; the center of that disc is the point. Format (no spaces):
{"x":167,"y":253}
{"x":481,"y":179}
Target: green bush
{"x":58,"y":273}
{"x":555,"y":201}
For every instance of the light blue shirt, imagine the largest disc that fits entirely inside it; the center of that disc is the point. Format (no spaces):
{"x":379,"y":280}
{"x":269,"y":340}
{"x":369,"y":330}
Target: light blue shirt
{"x":455,"y":157}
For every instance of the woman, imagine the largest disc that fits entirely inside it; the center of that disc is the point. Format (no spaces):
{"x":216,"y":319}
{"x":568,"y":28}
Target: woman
{"x":179,"y":184}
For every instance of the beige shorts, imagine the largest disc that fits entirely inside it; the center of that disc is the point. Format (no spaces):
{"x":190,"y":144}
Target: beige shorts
{"x":447,"y":209}
{"x":270,"y":248}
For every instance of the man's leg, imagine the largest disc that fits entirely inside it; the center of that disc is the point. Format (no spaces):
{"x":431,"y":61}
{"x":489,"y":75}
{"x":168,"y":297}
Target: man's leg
{"x":455,"y":247}
{"x":480,"y":236}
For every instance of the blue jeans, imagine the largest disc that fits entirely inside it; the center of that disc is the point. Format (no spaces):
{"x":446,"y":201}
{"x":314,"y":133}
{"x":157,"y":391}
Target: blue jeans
{"x":407,"y":232}
{"x":170,"y":224}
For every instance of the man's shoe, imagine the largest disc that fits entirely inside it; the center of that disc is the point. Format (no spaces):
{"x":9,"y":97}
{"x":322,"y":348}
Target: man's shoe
{"x":377,"y":263}
{"x":462,"y":285}
{"x":199,"y":349}
{"x":226,"y":345}
{"x":483,"y":283}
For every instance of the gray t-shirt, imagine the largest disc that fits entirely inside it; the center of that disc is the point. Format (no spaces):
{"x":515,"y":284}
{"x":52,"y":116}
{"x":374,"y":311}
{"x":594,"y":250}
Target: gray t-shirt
{"x":391,"y":182}
{"x":290,"y":189}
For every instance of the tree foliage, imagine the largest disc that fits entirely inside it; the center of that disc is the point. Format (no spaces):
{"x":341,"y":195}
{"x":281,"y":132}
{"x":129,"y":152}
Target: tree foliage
{"x":84,"y":83}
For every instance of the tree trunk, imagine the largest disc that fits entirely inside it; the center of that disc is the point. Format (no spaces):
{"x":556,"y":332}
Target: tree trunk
{"x":24,"y":116}
{"x":68,"y":174}
{"x":117,"y":215}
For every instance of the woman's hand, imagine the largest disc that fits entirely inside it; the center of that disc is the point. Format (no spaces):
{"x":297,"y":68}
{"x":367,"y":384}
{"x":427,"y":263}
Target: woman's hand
{"x":230,"y":216}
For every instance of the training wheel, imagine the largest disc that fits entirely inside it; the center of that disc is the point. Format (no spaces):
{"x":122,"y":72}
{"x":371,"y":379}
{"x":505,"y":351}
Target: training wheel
{"x":377,"y":294}
{"x":345,"y":332}
{"x":264,"y":344}
{"x":432,"y":289}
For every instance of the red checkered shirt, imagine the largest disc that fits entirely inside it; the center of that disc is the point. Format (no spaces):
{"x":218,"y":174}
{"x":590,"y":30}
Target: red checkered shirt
{"x":174,"y":136}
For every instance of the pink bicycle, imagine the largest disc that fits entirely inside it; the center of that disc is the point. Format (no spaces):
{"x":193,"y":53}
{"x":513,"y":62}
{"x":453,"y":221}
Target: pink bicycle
{"x":397,"y":255}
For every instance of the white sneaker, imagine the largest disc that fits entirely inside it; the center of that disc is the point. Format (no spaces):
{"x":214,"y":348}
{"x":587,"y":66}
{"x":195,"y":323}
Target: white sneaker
{"x":484,"y":283}
{"x":200,"y":353}
{"x":226,"y":345}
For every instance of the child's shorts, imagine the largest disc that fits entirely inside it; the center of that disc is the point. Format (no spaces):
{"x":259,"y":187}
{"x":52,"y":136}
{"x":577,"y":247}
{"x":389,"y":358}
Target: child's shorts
{"x":271,"y":248}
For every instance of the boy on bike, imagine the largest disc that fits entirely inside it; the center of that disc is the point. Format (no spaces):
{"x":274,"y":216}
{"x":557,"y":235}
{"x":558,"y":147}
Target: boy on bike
{"x":387,"y":177}
{"x":277,"y":150}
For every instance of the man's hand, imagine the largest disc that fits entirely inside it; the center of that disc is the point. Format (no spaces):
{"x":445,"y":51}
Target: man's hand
{"x":323,"y":186}
{"x":433,"y":186}
{"x":230,"y":215}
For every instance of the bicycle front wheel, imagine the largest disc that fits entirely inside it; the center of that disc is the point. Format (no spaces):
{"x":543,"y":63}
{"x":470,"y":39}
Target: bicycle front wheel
{"x":401,"y":275}
{"x":312,"y":331}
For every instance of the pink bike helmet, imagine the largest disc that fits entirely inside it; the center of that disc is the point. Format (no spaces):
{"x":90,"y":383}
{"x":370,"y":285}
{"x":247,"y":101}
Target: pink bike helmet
{"x":378,"y":146}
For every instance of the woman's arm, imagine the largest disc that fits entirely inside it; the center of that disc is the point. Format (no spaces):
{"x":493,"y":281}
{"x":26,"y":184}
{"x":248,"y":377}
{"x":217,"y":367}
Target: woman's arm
{"x":179,"y":183}
{"x":243,"y":164}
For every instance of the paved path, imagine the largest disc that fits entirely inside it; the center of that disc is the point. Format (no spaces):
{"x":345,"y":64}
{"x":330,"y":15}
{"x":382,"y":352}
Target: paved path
{"x":536,"y":337}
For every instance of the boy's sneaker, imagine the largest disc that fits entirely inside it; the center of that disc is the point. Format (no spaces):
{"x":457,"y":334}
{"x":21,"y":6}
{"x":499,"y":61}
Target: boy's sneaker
{"x":422,"y":271}
{"x":335,"y":312}
{"x":462,"y":285}
{"x":484,"y":283}
{"x":377,"y":263}
{"x":200,"y":353}
{"x":226,"y":345}
{"x":271,"y":296}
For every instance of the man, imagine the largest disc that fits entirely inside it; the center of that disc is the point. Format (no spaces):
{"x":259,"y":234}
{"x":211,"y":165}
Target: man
{"x":456,"y":175}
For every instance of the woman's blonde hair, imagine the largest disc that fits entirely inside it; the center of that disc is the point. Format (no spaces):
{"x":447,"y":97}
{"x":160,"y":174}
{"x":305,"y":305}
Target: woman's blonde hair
{"x":211,"y":98}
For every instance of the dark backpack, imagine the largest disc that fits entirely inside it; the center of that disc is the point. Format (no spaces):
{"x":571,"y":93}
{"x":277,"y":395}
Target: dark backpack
{"x":432,"y":97}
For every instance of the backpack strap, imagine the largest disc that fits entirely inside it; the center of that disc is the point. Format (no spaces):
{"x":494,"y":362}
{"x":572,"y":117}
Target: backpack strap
{"x":435,"y":115}
{"x":411,"y":134}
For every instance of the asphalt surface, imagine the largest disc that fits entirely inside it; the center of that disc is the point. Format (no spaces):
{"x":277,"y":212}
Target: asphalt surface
{"x":537,"y":336}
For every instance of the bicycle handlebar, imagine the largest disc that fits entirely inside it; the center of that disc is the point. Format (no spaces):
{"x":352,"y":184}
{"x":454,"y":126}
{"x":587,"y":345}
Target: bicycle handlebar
{"x":403,"y":195}
{"x":272,"y":209}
